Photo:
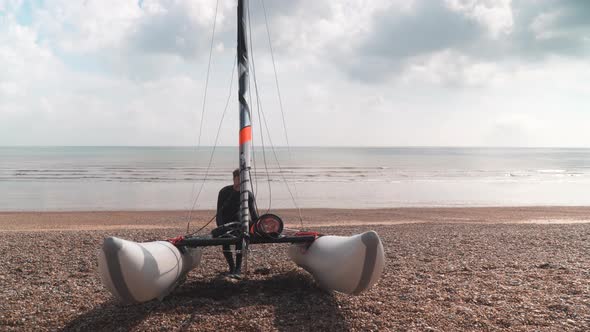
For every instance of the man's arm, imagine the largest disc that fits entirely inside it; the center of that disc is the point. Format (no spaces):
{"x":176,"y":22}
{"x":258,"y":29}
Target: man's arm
{"x":218,"y":216}
{"x":252,"y":207}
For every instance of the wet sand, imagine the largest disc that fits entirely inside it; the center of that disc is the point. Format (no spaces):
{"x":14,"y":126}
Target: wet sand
{"x":103,"y":220}
{"x":447,"y":269}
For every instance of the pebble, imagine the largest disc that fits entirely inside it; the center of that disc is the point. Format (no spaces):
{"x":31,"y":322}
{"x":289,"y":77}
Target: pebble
{"x":411,"y":296}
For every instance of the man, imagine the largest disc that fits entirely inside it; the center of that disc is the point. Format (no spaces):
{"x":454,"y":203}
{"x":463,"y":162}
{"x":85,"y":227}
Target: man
{"x":228,"y":209}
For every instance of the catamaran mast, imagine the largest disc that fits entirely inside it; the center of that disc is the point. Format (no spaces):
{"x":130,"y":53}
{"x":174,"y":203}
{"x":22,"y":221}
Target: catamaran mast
{"x":245,"y":123}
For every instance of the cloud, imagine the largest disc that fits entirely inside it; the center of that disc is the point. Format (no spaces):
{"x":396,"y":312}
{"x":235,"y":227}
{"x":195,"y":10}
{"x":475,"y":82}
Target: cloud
{"x":481,"y":30}
{"x":9,"y":6}
{"x":178,"y":28}
{"x":395,"y":72}
{"x":554,"y":27}
{"x":49,"y":95}
{"x":495,"y":15}
{"x":84,"y":27}
{"x":395,"y":36}
{"x":26,"y":65}
{"x":451,"y":69}
{"x":139,"y":40}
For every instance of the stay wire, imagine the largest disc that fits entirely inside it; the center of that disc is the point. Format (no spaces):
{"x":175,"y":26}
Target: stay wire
{"x":280,"y":104}
{"x":281,"y":170}
{"x":255,"y":184}
{"x":204,"y":101}
{"x":258,"y":107}
{"x":208,"y":71}
{"x":276,"y":75}
{"x":213,"y":218}
{"x":203,"y":227}
{"x":253,"y":187}
{"x":215,"y":144}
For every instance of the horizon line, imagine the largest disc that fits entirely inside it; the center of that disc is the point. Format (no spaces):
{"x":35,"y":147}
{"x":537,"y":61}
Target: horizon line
{"x":302,"y":146}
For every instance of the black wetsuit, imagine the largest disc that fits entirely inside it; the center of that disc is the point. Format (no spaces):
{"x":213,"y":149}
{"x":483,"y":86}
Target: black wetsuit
{"x":228,"y":208}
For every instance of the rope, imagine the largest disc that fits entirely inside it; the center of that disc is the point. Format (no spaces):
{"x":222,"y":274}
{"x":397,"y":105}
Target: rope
{"x":282,"y":116}
{"x":276,"y":76}
{"x":208,"y":70}
{"x":254,"y":184}
{"x":258,"y":107}
{"x":281,"y":170}
{"x":200,"y":229}
{"x":214,"y":146}
{"x":203,"y":106}
{"x":261,"y":114}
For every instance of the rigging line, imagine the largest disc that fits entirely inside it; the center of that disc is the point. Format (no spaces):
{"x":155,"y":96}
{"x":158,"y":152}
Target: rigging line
{"x":205,"y":96}
{"x":276,"y":75}
{"x":203,"y":227}
{"x":208,"y":70}
{"x":255,"y":185}
{"x":280,"y":169}
{"x":254,"y":199}
{"x":252,"y":142}
{"x":215,"y":144}
{"x":258,"y":107}
{"x":223,"y":205}
{"x":280,"y":100}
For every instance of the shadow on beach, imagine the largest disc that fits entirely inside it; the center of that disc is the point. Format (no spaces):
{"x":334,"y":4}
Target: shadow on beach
{"x":291,"y":300}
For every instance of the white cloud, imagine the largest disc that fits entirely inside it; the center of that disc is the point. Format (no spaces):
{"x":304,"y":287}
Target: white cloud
{"x":451,"y":68}
{"x":545,"y":27}
{"x":8,"y":6}
{"x":27,"y":66}
{"x":81,"y":27}
{"x":392,"y":72}
{"x":495,"y":15}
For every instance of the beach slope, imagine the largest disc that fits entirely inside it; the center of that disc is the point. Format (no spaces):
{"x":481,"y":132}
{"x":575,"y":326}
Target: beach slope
{"x":447,"y":269}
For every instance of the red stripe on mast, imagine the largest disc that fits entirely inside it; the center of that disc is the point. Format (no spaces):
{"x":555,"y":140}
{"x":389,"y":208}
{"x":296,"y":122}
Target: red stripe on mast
{"x":245,"y":134}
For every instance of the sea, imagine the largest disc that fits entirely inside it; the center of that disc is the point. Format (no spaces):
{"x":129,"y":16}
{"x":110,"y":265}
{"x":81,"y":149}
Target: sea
{"x":180,"y":178}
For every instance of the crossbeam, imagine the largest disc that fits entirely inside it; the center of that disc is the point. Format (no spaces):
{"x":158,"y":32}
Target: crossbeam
{"x":208,"y":242}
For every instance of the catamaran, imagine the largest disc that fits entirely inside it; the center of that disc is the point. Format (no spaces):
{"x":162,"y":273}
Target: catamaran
{"x":138,"y":272}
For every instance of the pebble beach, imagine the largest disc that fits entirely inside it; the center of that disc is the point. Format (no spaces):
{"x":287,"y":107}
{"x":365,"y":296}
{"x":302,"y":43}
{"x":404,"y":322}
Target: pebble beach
{"x":447,"y":269}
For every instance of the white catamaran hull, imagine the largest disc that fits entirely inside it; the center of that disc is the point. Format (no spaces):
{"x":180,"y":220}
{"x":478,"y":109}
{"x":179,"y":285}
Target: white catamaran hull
{"x":347,"y":264}
{"x":138,"y":272}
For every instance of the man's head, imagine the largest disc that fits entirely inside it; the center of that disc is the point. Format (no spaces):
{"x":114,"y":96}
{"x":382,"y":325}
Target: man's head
{"x":237,"y":179}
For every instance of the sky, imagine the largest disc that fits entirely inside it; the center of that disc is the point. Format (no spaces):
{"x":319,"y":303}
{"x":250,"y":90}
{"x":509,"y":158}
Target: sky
{"x":350,"y":72}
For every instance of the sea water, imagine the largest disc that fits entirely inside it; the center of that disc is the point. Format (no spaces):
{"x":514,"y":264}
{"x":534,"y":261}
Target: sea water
{"x":153,"y":178}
